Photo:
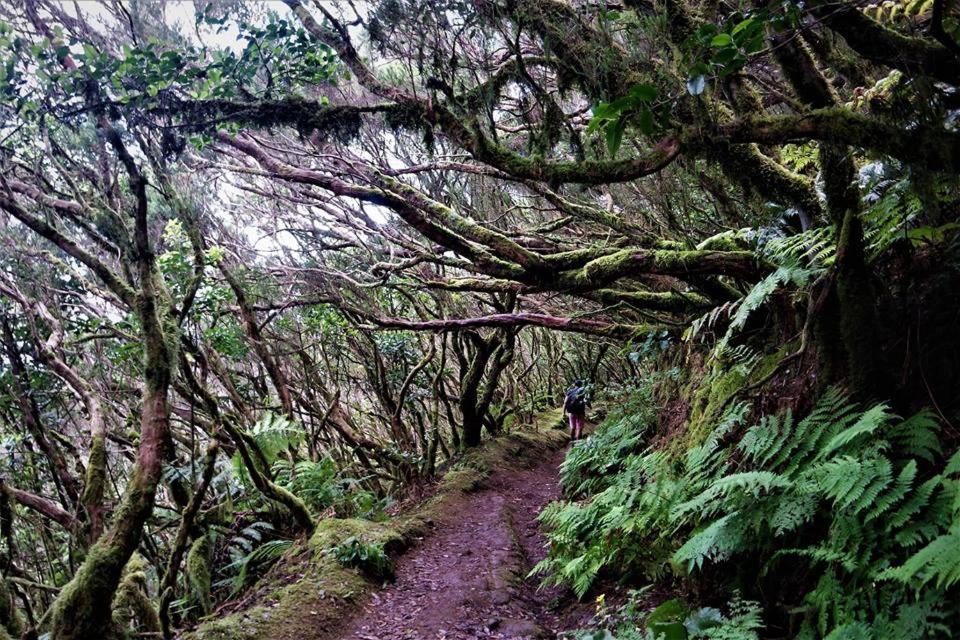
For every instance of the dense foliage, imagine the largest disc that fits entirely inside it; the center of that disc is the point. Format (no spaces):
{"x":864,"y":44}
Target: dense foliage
{"x":858,"y":507}
{"x":268,"y":263}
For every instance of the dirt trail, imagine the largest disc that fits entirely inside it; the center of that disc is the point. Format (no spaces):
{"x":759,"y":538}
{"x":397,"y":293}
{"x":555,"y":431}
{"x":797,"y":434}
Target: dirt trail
{"x":466,"y":580}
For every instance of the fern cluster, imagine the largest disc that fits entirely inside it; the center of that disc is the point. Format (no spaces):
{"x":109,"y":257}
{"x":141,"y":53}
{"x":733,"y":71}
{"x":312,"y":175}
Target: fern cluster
{"x":321,"y":486}
{"x":369,"y":557}
{"x":860,"y":503}
{"x":247,"y":549}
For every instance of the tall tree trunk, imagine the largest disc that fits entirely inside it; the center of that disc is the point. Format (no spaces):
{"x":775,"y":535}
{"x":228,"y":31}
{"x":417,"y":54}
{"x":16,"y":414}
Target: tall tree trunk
{"x":469,"y":400}
{"x":81,"y":611}
{"x":853,"y":296}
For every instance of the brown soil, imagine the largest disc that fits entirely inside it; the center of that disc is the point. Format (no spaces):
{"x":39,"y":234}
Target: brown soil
{"x":467,"y":579}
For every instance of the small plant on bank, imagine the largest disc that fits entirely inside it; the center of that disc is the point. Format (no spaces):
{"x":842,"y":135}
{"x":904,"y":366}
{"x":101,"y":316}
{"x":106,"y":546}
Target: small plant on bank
{"x":368,"y":557}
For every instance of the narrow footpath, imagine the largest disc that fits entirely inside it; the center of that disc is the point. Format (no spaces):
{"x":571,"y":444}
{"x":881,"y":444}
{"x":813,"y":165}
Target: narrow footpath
{"x":467,"y":579}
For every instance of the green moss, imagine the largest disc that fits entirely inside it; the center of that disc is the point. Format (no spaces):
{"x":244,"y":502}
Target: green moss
{"x":79,"y":611}
{"x":93,"y":487}
{"x":757,"y":173}
{"x":132,"y":607}
{"x":10,"y":622}
{"x":725,"y":241}
{"x":311,"y":605}
{"x":686,"y":263}
{"x":712,"y":394}
{"x":198,"y":572}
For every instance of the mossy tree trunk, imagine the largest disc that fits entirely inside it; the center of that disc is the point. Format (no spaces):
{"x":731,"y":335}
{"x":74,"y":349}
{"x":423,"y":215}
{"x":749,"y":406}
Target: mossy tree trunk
{"x":472,"y":369}
{"x":854,"y":325}
{"x":479,"y":382}
{"x":80,"y":611}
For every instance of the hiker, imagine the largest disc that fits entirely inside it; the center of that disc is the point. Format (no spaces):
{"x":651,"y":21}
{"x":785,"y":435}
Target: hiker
{"x":575,"y":406}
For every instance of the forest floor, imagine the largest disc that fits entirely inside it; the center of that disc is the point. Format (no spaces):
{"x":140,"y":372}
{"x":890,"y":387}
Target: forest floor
{"x":467,"y":579}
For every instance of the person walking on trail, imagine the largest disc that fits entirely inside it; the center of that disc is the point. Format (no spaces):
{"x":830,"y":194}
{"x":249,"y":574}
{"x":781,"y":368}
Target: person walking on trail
{"x":575,"y":406}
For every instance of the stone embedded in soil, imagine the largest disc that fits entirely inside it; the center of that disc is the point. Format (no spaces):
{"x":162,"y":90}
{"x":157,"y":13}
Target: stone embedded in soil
{"x":522,"y":629}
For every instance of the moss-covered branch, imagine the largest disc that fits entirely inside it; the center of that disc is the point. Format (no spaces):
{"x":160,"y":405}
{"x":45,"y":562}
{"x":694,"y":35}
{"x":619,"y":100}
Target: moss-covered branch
{"x":304,"y":115}
{"x":633,"y":262}
{"x":671,"y":301}
{"x":879,"y":44}
{"x":44,"y":229}
{"x":582,"y":172}
{"x":519,"y":319}
{"x":925,"y":146}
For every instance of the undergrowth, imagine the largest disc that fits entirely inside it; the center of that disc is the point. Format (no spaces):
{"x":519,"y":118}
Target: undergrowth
{"x":843,"y":524}
{"x":369,"y":557}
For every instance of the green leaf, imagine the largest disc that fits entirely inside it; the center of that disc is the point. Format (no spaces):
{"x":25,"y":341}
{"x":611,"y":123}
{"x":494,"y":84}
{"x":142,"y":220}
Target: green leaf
{"x":725,"y":55}
{"x":622,"y":104}
{"x":601,"y":114}
{"x":666,"y":621}
{"x":721,"y":40}
{"x":702,"y":619}
{"x":615,"y":135}
{"x":696,"y":85}
{"x":706,"y":30}
{"x":746,"y":24}
{"x":643,"y":92}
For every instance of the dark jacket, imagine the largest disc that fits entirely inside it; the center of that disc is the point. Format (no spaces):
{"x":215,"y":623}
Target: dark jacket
{"x":575,"y":401}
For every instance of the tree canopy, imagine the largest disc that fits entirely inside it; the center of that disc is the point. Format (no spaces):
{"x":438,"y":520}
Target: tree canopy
{"x":262,"y":263}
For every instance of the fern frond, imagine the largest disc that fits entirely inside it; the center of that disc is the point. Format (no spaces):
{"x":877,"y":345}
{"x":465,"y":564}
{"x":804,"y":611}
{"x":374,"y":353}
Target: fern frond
{"x":867,"y":424}
{"x":953,"y":465}
{"x":826,"y":555}
{"x":938,"y":561}
{"x":917,"y":501}
{"x":768,"y":438}
{"x":900,"y":488}
{"x":917,"y":436}
{"x":790,"y":514}
{"x":815,"y":246}
{"x":851,"y":631}
{"x":717,"y":541}
{"x":852,"y":483}
{"x":790,"y":273}
{"x":749,"y":483}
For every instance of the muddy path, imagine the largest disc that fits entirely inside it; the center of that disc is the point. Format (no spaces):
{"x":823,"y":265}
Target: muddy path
{"x":467,"y":578}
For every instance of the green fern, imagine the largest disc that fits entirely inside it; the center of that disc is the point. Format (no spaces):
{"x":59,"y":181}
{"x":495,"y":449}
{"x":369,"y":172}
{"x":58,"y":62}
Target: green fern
{"x":248,"y":550}
{"x":313,"y":482}
{"x":738,"y":312}
{"x":852,"y":493}
{"x":369,"y":557}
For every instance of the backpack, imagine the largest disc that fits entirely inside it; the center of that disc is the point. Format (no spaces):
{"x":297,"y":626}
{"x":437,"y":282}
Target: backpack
{"x":576,"y":400}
